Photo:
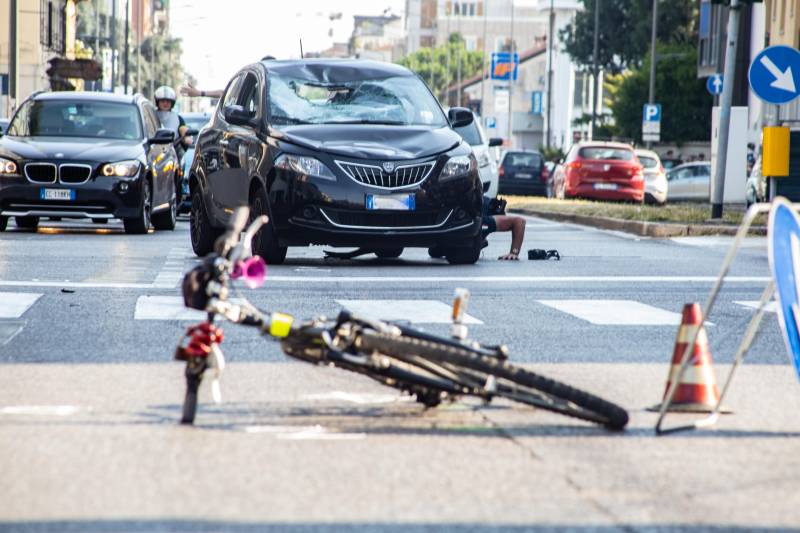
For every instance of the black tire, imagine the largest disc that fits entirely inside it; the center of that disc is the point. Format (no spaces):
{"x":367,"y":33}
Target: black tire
{"x":3,"y":223}
{"x":30,"y":223}
{"x":194,"y":376}
{"x":467,"y":255}
{"x":167,"y":219}
{"x":265,"y":242}
{"x":141,"y":223}
{"x":389,"y":253}
{"x":542,"y":392}
{"x":201,"y":232}
{"x":437,"y":252}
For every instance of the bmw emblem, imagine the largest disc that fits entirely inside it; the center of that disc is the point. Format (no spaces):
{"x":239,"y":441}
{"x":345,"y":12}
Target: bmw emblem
{"x":388,"y":167}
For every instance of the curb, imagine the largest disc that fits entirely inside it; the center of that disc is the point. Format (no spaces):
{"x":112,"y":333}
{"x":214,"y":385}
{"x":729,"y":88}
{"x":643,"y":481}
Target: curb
{"x":643,"y":229}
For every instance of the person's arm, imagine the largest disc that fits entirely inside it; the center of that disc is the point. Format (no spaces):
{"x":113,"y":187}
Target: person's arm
{"x":516,"y":225}
{"x":191,"y":90}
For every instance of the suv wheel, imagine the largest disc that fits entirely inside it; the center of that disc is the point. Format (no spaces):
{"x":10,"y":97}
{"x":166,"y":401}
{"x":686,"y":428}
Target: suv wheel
{"x":467,"y":255}
{"x":165,"y":220}
{"x":140,"y":224}
{"x":3,"y":223}
{"x":265,"y":242}
{"x":202,"y":233}
{"x":27,"y":222}
{"x":389,"y":253}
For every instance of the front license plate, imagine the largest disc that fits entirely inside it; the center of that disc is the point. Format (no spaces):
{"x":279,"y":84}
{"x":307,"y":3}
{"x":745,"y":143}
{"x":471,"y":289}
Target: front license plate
{"x":523,"y":175}
{"x":605,"y":186}
{"x":391,"y":202}
{"x":57,"y":194}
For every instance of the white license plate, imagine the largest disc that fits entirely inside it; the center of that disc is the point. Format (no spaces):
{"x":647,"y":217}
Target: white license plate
{"x":57,"y":194}
{"x":391,"y":202}
{"x":523,"y":175}
{"x":605,"y":186}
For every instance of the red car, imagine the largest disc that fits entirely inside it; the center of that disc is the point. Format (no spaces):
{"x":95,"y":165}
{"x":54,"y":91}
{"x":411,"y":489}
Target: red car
{"x":602,"y":171}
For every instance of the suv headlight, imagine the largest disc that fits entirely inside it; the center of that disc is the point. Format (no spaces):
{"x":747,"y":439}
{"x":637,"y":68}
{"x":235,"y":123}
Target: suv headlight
{"x":7,"y":167}
{"x":308,"y":166}
{"x":458,"y":166}
{"x":120,"y":169}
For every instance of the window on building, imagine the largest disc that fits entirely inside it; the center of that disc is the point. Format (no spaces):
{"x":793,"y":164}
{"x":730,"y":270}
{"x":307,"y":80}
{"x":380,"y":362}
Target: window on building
{"x":471,"y":43}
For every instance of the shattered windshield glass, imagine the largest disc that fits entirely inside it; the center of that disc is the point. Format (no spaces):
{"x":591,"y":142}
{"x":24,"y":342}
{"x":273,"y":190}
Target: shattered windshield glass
{"x":398,"y":100}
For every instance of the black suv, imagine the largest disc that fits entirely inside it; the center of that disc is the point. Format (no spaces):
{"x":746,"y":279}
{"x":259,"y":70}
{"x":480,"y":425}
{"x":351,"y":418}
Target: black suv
{"x":88,"y":155}
{"x":337,"y":152}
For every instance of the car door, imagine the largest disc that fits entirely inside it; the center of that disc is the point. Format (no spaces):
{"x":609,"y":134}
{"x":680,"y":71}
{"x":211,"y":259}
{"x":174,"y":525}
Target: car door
{"x":215,"y":155}
{"x":158,"y":156}
{"x":701,"y":182}
{"x":680,"y":184}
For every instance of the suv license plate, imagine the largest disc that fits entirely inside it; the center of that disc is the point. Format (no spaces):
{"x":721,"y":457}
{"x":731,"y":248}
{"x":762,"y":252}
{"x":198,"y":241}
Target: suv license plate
{"x":391,"y":202}
{"x":57,"y":194}
{"x":605,"y":186}
{"x":523,"y":175}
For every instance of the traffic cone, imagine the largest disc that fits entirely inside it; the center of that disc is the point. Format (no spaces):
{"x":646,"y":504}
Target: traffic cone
{"x":697,"y":391}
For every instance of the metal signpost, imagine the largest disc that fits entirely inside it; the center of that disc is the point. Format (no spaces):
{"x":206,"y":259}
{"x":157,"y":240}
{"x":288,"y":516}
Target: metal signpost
{"x":651,"y":123}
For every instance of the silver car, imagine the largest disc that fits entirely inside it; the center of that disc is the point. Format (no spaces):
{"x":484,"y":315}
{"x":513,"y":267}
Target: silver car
{"x":655,"y":177}
{"x":474,"y":136}
{"x":690,"y":181}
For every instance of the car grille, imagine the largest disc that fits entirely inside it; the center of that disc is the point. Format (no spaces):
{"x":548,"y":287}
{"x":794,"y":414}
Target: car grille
{"x":401,"y":219}
{"x":41,"y":172}
{"x":376,"y":176}
{"x":74,"y":173}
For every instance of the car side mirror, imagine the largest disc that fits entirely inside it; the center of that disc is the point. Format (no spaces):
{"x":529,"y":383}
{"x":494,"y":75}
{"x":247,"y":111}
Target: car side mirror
{"x":236,"y":115}
{"x":495,"y":141}
{"x":162,"y":136}
{"x":460,"y":117}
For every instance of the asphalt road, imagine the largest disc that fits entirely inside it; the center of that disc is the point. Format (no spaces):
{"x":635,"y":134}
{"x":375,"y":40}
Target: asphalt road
{"x":89,"y":396}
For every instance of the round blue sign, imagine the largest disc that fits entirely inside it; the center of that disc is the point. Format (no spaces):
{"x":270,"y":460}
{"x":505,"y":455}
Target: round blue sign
{"x":775,"y":74}
{"x":784,"y":261}
{"x":714,"y":84}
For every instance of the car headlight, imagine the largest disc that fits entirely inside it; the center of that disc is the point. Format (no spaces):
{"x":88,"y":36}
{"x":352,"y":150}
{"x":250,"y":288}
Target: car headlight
{"x":458,"y":166}
{"x":483,"y":160}
{"x":7,"y":167}
{"x":308,"y":166}
{"x":120,"y":169}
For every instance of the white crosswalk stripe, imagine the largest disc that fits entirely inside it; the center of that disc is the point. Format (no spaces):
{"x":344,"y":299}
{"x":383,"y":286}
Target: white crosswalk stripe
{"x":771,"y":307}
{"x":616,"y":312}
{"x":164,"y":308}
{"x":414,"y":311}
{"x":14,"y":304}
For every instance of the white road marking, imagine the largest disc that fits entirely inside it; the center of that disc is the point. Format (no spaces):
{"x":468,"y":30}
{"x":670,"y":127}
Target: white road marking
{"x":40,"y":410}
{"x":172,"y":272}
{"x":720,"y":240}
{"x":304,"y":433}
{"x":415,"y":311}
{"x":164,"y":308}
{"x":361,"y":399}
{"x":616,"y":312}
{"x":14,"y":304}
{"x":771,"y":307}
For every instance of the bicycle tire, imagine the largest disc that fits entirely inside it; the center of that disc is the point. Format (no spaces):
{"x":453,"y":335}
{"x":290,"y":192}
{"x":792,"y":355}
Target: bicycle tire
{"x":587,"y":406}
{"x":194,"y":376}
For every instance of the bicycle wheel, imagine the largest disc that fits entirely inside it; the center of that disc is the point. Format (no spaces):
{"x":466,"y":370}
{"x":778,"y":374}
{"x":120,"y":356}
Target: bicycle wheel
{"x":512,"y":382}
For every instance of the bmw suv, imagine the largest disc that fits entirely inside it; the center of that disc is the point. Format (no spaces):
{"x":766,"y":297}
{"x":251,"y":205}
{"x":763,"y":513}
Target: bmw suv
{"x":341,"y":153}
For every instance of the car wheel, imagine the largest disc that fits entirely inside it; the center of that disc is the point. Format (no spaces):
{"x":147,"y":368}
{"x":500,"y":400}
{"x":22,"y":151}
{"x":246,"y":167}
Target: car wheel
{"x":3,"y":223}
{"x":467,"y":255}
{"x":201,"y":232}
{"x":141,"y":223}
{"x":265,"y":242}
{"x":166,"y":219}
{"x":437,"y":252}
{"x":389,"y":253}
{"x":27,"y":222}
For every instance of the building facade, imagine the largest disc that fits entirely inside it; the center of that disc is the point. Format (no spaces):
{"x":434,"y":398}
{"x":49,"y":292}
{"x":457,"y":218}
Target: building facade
{"x":380,"y":38}
{"x":420,"y":24}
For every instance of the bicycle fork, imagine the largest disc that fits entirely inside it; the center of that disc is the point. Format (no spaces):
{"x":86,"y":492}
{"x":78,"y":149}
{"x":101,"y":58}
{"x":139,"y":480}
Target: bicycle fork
{"x":201,"y":353}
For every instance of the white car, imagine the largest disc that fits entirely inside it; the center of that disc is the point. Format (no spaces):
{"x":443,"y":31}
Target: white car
{"x":690,"y":181}
{"x":655,"y":177}
{"x":474,"y":135}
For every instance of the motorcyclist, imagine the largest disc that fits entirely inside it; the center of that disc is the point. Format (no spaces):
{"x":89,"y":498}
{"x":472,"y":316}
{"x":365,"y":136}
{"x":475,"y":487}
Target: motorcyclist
{"x":165,"y":100}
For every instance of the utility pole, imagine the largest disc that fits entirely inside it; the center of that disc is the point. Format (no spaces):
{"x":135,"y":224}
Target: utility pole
{"x":13,"y":52}
{"x":718,"y":189}
{"x":550,"y":40}
{"x":458,"y":59}
{"x":511,"y":83}
{"x":652,"y":98}
{"x":595,"y":69}
{"x":97,"y":84}
{"x":113,"y":44}
{"x":447,"y":59}
{"x":127,"y":33}
{"x":483,"y":65}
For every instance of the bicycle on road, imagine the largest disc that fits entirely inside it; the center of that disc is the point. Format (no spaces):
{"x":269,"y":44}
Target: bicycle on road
{"x":432,"y":368}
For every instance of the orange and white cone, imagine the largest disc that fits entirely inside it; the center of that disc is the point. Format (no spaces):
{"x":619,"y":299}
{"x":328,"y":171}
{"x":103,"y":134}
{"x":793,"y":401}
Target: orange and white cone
{"x":697,"y":390}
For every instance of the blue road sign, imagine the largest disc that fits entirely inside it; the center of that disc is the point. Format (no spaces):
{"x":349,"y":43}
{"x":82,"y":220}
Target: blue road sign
{"x":536,"y":102}
{"x":714,"y":84}
{"x":775,"y":74}
{"x":504,"y":66}
{"x":784,"y":261}
{"x":651,"y":113}
{"x":491,"y":122}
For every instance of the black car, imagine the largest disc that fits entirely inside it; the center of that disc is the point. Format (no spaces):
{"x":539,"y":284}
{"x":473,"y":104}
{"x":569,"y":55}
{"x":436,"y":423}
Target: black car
{"x":88,"y":155}
{"x":337,"y":152}
{"x":523,"y":172}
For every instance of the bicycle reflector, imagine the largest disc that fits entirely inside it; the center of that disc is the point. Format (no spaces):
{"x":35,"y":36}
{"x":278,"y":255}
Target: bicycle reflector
{"x":280,"y":324}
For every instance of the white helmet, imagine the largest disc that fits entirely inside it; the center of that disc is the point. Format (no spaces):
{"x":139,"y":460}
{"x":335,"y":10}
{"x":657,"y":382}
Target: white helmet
{"x":165,"y":93}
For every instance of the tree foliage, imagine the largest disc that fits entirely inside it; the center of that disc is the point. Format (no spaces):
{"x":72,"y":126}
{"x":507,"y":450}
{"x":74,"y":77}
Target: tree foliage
{"x":431,"y":63}
{"x":625,"y":26}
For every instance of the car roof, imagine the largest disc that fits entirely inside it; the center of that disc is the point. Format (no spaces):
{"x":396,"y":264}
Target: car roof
{"x":647,"y":153}
{"x":335,"y":70}
{"x":86,"y":96}
{"x":604,"y":144}
{"x":691,"y":164}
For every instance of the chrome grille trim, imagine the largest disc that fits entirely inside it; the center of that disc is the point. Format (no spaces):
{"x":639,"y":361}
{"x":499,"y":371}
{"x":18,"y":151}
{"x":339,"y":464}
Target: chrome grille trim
{"x":74,"y":165}
{"x":29,"y":165}
{"x":397,"y":228}
{"x":404,"y":176}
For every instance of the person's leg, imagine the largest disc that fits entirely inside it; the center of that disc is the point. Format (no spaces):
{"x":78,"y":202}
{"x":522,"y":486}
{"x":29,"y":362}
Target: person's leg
{"x":516,"y":225}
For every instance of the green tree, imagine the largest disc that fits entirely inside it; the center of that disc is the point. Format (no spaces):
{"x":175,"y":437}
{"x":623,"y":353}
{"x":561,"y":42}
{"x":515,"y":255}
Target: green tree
{"x":431,"y":63}
{"x":685,"y":103}
{"x":625,"y":25}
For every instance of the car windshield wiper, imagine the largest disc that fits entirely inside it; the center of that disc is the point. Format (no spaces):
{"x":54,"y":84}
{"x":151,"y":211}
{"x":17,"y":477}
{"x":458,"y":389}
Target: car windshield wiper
{"x":368,"y":121}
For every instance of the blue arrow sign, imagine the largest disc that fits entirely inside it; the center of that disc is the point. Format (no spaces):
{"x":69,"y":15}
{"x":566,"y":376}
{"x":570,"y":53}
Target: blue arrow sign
{"x":714,"y":84}
{"x":784,"y":261}
{"x":775,"y":74}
